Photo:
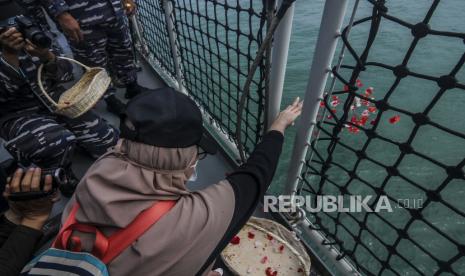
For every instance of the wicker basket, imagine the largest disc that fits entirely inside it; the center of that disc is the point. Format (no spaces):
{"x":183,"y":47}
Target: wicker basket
{"x":284,"y":254}
{"x":83,"y":95}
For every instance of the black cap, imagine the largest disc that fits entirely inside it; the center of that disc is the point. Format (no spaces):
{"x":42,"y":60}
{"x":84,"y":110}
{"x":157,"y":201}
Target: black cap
{"x":165,"y":118}
{"x":9,"y":9}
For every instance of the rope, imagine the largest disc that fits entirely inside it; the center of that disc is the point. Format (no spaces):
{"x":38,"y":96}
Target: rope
{"x":258,"y":59}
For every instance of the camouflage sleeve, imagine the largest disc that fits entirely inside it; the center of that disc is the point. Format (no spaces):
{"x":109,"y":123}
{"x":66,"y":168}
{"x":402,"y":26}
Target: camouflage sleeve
{"x":55,"y":7}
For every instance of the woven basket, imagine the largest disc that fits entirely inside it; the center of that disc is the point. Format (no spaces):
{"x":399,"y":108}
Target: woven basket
{"x":83,"y":95}
{"x":283,"y":252}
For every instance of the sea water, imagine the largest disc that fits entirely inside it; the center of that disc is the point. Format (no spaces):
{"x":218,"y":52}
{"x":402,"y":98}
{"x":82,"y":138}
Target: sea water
{"x":434,"y":56}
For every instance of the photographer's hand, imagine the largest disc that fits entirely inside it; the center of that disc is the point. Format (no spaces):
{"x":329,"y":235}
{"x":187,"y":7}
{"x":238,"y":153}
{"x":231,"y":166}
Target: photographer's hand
{"x":35,"y":212}
{"x":70,"y":26}
{"x":44,"y":54}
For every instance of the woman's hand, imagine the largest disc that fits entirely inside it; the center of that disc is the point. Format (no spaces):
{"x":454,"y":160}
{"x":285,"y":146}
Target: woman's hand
{"x":12,"y":41}
{"x":34,"y":213}
{"x":43,"y":54}
{"x":287,"y":116}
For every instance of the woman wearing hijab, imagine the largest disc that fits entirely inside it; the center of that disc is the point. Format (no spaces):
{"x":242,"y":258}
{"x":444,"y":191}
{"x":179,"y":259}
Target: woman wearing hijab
{"x":157,"y":154}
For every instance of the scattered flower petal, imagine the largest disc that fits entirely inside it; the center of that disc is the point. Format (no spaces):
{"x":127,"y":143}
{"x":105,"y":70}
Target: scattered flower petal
{"x":251,"y":235}
{"x":269,"y":237}
{"x":372,"y":109}
{"x":236,"y":240}
{"x":264,"y":260}
{"x":395,"y":119}
{"x":270,"y":272}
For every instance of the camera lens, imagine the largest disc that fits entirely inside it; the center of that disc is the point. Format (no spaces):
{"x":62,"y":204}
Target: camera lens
{"x":41,"y":40}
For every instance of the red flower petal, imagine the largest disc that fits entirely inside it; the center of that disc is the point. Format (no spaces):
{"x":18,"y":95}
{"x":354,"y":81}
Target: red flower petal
{"x":394,"y":119}
{"x":268,"y":236}
{"x":281,"y":248}
{"x":359,"y":83}
{"x":334,"y":97}
{"x":270,"y":272}
{"x":322,"y":103}
{"x":264,"y":260}
{"x":369,"y":91}
{"x":236,"y":240}
{"x":346,"y":88}
{"x":300,"y":270}
{"x":372,"y":109}
{"x":251,"y":235}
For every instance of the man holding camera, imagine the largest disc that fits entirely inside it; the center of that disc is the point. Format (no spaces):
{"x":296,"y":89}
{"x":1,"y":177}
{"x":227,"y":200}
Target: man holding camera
{"x":32,"y":131}
{"x":98,"y":34}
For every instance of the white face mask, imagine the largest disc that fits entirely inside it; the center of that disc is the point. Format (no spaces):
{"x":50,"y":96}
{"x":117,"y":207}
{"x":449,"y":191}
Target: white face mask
{"x":194,"y":174}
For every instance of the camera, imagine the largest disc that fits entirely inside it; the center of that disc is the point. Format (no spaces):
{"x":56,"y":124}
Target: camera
{"x":59,"y":176}
{"x":29,"y":29}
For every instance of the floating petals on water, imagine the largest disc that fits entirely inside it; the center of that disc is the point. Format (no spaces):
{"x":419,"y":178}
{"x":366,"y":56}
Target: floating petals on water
{"x":329,"y":117}
{"x":359,"y":83}
{"x":335,"y":103}
{"x":353,"y":129}
{"x":372,"y":109}
{"x":236,"y":240}
{"x":369,"y":91}
{"x":373,"y":122}
{"x":363,"y":121}
{"x":346,"y":88}
{"x":365,"y":102}
{"x":352,"y":107}
{"x":365,"y":113}
{"x":353,"y":120}
{"x":322,"y":104}
{"x":394,"y":119}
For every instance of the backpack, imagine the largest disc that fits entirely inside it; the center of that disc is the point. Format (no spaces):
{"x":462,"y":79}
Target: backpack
{"x":58,"y":260}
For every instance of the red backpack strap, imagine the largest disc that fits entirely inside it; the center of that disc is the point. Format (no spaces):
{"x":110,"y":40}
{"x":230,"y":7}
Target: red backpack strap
{"x":69,"y":221}
{"x":108,"y":249}
{"x":123,"y":238}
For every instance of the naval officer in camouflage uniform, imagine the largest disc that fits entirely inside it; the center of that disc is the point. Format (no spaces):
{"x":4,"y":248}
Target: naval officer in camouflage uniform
{"x":32,"y":132}
{"x":98,"y":34}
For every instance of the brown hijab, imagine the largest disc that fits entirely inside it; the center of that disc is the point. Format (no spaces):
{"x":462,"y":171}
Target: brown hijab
{"x":130,"y":179}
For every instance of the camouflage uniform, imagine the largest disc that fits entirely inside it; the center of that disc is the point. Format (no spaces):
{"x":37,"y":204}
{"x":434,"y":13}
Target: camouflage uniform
{"x":30,"y":129}
{"x":107,"y":41}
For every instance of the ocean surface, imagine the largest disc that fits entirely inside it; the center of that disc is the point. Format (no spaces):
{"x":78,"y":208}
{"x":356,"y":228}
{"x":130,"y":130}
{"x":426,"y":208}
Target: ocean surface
{"x":435,"y":56}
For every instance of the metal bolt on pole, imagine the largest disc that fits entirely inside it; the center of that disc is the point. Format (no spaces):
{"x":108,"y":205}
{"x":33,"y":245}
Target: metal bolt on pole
{"x":331,"y":22}
{"x":168,"y":8}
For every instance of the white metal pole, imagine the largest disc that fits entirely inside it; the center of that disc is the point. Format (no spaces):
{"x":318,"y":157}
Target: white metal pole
{"x":331,"y":22}
{"x":279,"y":55}
{"x":168,"y":8}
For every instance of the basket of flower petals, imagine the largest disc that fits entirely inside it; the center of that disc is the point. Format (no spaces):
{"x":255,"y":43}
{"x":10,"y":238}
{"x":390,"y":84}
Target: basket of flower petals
{"x":264,"y":247}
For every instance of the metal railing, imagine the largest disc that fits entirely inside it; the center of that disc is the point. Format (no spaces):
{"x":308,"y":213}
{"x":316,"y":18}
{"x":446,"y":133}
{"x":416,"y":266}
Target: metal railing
{"x":206,"y":49}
